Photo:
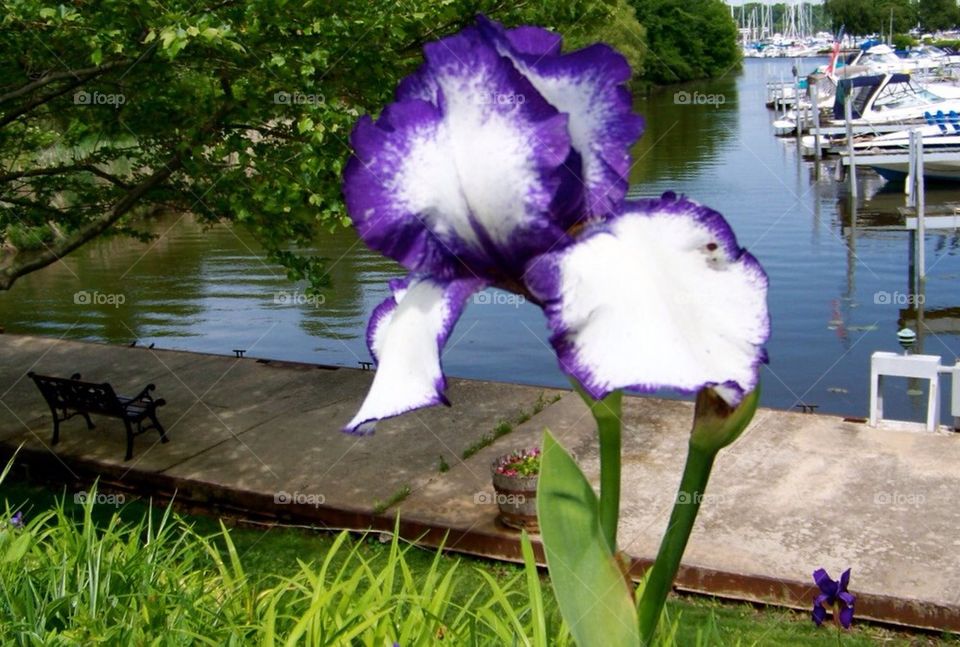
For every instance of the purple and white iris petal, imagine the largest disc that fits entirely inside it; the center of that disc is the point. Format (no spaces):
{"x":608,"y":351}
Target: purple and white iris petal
{"x":468,"y":184}
{"x":588,"y":85}
{"x":659,"y":296}
{"x":533,"y":40}
{"x":406,"y":335}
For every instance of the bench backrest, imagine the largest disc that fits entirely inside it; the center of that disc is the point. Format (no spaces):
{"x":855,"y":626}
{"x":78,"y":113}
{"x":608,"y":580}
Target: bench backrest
{"x":64,"y":393}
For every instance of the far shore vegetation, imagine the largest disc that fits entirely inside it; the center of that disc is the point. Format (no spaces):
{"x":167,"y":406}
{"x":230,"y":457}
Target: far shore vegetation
{"x":240,"y":111}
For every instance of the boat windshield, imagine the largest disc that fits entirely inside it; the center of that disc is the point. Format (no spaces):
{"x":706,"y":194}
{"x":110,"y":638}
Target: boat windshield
{"x":882,"y":59}
{"x":903,"y":95}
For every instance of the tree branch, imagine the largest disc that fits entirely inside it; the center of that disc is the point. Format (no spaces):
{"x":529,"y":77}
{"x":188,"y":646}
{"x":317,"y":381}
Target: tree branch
{"x":39,"y":101}
{"x":59,"y":170}
{"x":64,"y":246}
{"x":29,"y":204}
{"x":56,"y":76}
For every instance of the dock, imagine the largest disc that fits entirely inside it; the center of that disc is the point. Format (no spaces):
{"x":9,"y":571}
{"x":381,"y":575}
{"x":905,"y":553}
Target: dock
{"x":260,"y":439}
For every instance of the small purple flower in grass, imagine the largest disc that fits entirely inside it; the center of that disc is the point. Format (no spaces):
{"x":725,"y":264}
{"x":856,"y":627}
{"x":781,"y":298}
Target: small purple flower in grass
{"x":17,"y":520}
{"x":503,"y":163}
{"x":834,"y":596}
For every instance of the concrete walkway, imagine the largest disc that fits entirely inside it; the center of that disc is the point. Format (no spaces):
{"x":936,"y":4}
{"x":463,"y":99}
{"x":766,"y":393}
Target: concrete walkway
{"x":797,"y":492}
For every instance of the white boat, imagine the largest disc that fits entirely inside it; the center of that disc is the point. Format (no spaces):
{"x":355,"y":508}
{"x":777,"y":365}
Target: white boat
{"x":942,"y":131}
{"x":921,"y":59}
{"x":940,"y":164}
{"x":890,"y":98}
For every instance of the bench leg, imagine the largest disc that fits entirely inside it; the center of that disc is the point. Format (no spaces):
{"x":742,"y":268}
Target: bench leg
{"x":129,"y":440}
{"x":86,"y":416}
{"x":56,"y":430}
{"x":156,"y":423}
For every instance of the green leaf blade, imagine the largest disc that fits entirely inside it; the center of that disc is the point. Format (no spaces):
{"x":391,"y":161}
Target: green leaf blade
{"x":589,"y":584}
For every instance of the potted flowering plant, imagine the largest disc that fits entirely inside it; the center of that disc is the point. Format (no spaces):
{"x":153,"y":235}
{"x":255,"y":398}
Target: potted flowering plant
{"x":515,"y":483}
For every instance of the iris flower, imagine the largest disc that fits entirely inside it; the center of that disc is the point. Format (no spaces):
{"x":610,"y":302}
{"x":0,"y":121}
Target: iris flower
{"x":503,"y":162}
{"x":832,"y":595}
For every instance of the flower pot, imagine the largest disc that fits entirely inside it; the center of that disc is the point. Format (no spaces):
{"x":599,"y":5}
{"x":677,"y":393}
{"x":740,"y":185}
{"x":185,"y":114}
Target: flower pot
{"x":517,"y":499}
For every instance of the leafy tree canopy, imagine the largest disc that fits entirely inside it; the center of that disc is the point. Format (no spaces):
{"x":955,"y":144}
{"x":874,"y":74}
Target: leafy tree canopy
{"x":863,"y":17}
{"x":936,"y":15}
{"x":688,"y":39}
{"x":233,"y":109}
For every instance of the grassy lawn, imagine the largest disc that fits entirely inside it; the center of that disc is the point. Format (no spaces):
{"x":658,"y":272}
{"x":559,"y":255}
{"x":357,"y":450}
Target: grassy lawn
{"x":270,"y":553}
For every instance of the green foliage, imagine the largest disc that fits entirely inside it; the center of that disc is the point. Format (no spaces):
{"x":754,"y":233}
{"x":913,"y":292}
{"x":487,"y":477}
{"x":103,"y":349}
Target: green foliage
{"x":502,"y":604}
{"x":67,"y":582}
{"x":519,"y":462}
{"x":688,"y":39}
{"x":613,"y":22}
{"x":402,"y":493}
{"x":864,"y":17}
{"x":27,"y":238}
{"x":242,"y":110}
{"x":231,"y":110}
{"x":502,"y":429}
{"x":590,"y":586}
{"x":903,"y":41}
{"x":936,"y":15}
{"x":904,"y":16}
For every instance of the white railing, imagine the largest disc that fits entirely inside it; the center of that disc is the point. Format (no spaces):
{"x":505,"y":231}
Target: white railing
{"x":924,"y":367}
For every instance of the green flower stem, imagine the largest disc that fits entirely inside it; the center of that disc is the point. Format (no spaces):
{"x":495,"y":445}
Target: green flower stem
{"x":609,"y":428}
{"x":696,"y":473}
{"x":607,"y":414}
{"x":715,"y":425}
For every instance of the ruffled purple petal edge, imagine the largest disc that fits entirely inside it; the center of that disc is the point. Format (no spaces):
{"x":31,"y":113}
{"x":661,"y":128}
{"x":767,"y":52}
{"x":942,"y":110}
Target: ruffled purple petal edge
{"x":609,"y":71}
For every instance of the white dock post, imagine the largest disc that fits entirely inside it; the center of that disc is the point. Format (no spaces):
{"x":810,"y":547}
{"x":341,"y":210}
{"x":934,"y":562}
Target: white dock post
{"x":955,"y":396}
{"x":815,"y":100}
{"x":798,"y":108}
{"x":783,"y":94}
{"x":848,"y":117}
{"x":911,"y":200}
{"x":921,"y":226}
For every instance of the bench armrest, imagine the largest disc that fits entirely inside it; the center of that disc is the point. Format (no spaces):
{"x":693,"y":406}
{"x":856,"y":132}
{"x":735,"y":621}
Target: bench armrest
{"x":144,"y":396}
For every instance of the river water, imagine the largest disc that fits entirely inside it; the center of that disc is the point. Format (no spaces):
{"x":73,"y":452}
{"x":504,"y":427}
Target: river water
{"x":837,"y":293}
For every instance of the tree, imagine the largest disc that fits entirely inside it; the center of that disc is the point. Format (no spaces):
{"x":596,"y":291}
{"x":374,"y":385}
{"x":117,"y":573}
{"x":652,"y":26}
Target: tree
{"x":904,"y":16}
{"x":857,"y":17}
{"x":688,"y":39}
{"x":228,"y":109}
{"x":936,"y":15}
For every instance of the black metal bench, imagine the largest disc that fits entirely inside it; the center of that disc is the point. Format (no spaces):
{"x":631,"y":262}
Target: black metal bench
{"x":68,"y":398}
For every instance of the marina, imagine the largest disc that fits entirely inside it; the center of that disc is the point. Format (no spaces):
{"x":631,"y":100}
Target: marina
{"x":208,"y":290}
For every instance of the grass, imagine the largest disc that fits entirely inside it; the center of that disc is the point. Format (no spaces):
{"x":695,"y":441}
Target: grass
{"x":443,"y":466}
{"x":402,"y":493}
{"x":89,"y":573}
{"x":504,"y":427}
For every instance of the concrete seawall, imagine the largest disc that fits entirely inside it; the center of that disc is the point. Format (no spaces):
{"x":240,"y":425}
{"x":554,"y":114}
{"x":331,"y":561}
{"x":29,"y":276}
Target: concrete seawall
{"x":260,"y":439}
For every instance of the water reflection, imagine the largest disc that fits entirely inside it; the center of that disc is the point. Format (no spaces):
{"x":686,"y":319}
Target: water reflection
{"x":686,"y":129}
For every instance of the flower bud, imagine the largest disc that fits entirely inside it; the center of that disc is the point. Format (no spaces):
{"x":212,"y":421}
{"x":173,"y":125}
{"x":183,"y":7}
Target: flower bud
{"x":716,"y":424}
